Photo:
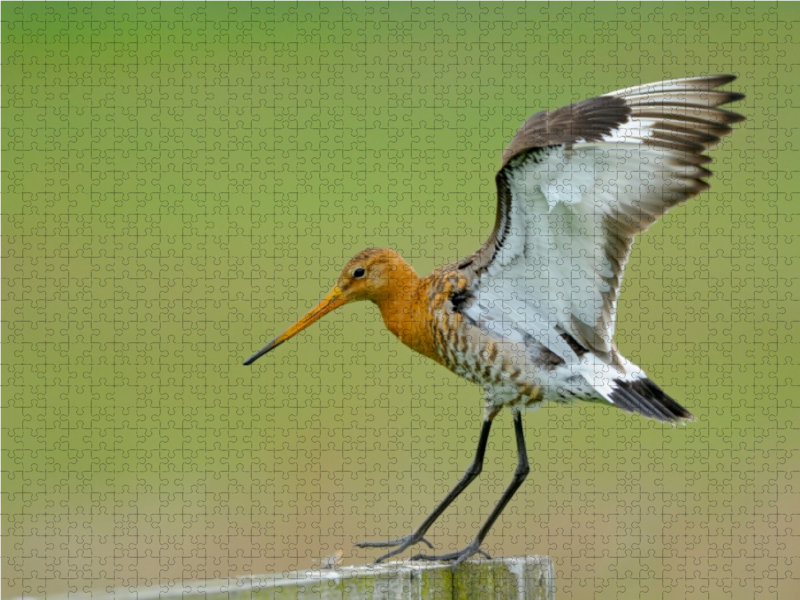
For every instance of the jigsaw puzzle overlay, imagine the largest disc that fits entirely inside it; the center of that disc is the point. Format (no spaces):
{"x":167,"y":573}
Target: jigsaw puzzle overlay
{"x":183,"y":181}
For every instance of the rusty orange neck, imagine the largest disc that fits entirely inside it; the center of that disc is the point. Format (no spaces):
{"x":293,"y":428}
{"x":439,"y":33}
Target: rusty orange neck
{"x":405,"y":308}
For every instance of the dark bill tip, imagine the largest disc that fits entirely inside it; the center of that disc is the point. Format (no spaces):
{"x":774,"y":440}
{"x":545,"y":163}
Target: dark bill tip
{"x":270,"y":346}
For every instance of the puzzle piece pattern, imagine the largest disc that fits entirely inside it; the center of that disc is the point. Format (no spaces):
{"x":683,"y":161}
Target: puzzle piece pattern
{"x":182,"y":181}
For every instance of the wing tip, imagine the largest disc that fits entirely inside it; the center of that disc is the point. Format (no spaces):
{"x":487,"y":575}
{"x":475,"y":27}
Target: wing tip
{"x":735,"y":96}
{"x":722,"y":79}
{"x":707,"y":82}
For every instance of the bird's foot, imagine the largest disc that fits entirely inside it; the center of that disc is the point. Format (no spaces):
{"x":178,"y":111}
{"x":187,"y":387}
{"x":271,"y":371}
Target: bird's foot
{"x":474,"y":547}
{"x":401,"y":543}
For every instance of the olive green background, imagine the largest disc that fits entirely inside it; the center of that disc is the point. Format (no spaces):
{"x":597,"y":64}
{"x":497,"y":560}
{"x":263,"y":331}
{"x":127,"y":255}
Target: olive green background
{"x":182,"y":181}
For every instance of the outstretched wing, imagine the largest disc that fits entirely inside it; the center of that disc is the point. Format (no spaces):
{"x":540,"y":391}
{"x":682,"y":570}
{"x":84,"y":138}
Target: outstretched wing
{"x":577,"y":184}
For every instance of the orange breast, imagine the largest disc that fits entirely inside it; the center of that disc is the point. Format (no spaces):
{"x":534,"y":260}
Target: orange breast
{"x":407,"y":314}
{"x":411,"y":311}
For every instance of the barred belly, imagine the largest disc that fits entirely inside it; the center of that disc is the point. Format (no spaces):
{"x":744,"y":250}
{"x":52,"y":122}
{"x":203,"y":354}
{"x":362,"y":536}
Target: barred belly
{"x":504,"y":368}
{"x":521,"y":374}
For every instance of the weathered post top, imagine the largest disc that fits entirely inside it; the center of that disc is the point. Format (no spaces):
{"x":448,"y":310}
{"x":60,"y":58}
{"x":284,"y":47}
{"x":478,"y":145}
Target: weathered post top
{"x":513,"y":578}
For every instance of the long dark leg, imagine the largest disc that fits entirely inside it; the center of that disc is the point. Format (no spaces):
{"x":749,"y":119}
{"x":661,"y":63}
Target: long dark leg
{"x":523,"y":468}
{"x":417,"y":535}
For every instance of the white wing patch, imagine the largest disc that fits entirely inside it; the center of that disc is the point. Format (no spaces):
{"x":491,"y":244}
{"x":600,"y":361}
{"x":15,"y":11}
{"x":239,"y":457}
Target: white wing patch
{"x":557,"y":249}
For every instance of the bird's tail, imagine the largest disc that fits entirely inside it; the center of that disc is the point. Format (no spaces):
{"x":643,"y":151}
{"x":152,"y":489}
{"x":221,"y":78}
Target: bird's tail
{"x":632,"y":391}
{"x":643,"y":396}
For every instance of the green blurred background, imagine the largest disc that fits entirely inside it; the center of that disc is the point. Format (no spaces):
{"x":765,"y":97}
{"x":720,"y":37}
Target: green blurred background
{"x":183,"y":180}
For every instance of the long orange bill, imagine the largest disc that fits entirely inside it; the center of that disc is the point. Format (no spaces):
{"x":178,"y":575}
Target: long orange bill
{"x":331,"y":302}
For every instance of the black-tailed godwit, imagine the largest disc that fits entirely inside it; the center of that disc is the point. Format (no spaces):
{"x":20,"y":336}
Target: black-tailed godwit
{"x":530,"y":315}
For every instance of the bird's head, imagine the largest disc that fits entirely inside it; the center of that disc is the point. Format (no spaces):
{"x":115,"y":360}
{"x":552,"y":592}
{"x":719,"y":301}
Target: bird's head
{"x":374,"y":274}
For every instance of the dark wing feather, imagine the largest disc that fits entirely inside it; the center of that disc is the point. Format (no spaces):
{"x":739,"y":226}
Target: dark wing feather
{"x":588,"y":120}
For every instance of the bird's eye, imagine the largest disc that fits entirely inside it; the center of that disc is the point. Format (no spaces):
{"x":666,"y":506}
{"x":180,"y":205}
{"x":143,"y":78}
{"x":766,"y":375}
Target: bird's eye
{"x":359,"y":272}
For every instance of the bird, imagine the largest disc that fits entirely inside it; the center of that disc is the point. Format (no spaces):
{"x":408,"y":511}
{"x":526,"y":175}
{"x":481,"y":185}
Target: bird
{"x":530,"y":315}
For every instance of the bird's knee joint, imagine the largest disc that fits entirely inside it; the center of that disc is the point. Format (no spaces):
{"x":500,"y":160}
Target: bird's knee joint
{"x":474,"y":469}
